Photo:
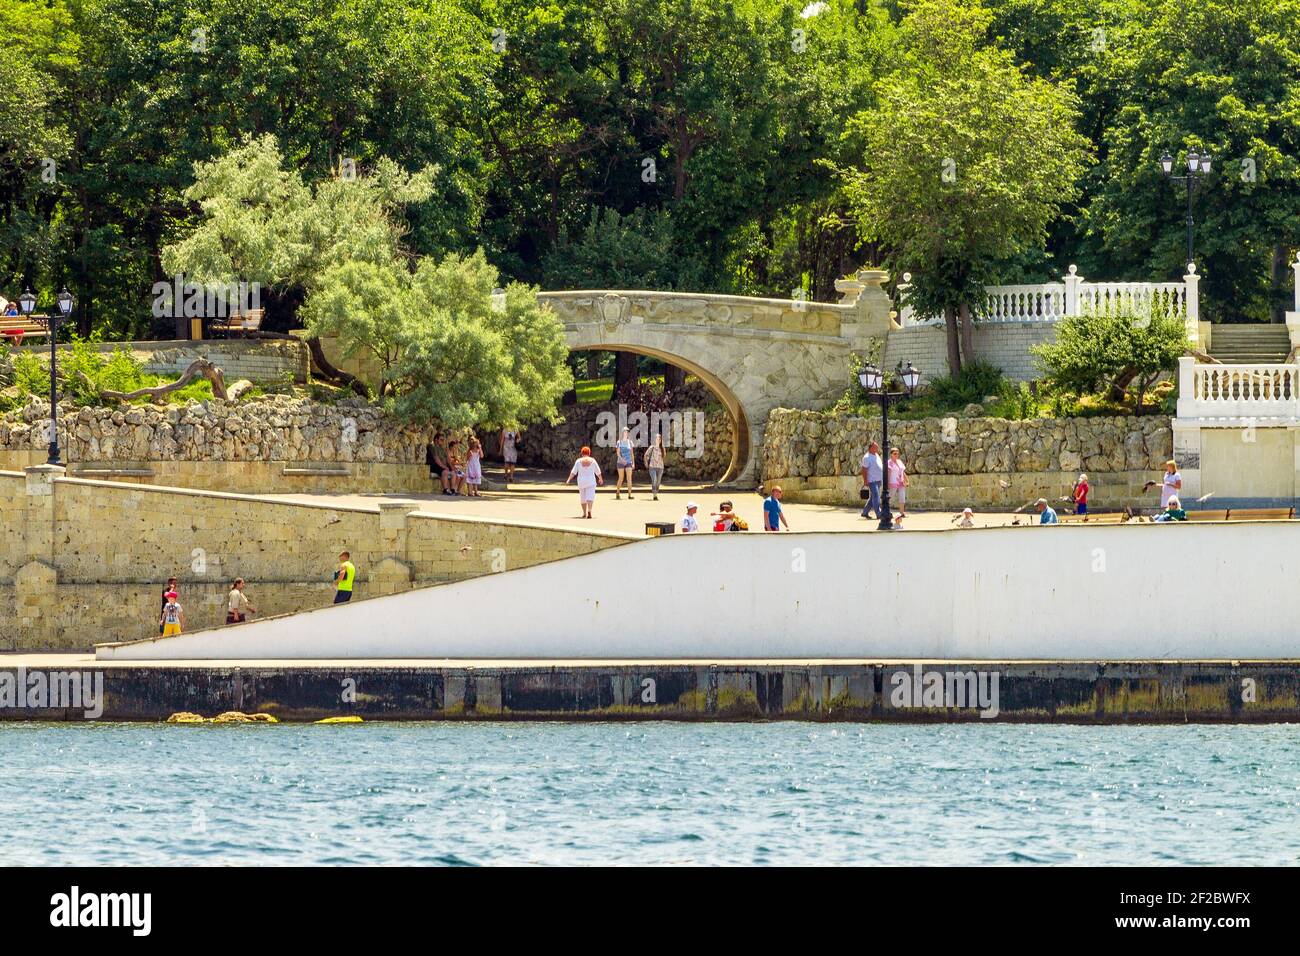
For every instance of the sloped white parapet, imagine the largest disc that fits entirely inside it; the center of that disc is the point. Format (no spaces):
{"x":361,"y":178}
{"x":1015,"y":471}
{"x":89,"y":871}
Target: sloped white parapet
{"x":1189,"y":591}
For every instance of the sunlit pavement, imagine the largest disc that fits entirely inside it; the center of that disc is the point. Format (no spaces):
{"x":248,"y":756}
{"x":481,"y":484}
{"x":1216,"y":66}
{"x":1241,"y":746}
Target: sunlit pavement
{"x":541,"y":497}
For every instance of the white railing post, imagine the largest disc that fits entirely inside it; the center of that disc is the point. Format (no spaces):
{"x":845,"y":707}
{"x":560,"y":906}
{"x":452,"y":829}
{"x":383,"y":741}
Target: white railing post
{"x":904,"y":308}
{"x":1191,"y":306}
{"x":1187,"y":400}
{"x":1072,"y":281}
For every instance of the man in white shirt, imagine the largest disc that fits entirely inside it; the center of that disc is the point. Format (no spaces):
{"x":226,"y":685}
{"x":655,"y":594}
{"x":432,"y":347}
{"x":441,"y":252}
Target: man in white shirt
{"x":873,"y":474}
{"x":689,"y":523}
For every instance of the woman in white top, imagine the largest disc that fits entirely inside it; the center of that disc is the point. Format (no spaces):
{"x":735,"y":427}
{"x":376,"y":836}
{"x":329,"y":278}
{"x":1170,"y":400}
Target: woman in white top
{"x":1171,"y":485}
{"x":896,"y":473}
{"x":509,"y":451}
{"x":654,"y":463}
{"x":587,"y":470}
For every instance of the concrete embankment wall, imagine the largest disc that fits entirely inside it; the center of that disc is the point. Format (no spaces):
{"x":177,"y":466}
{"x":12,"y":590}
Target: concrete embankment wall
{"x":1059,"y":692}
{"x":1070,"y":592}
{"x":84,"y":561}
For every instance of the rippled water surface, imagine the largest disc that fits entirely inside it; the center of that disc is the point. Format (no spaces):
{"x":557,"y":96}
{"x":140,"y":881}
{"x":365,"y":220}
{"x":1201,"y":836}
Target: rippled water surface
{"x":647,"y":793}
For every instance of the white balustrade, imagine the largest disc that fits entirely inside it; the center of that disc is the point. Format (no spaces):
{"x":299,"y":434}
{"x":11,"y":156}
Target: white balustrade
{"x":1053,"y":301}
{"x":1237,"y":391}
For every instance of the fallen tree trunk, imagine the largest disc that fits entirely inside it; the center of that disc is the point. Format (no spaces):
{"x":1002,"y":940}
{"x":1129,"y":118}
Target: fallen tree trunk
{"x":199,"y":368}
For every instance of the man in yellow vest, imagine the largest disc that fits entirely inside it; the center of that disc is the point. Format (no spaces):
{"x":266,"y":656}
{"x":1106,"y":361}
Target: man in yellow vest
{"x":343,"y":578}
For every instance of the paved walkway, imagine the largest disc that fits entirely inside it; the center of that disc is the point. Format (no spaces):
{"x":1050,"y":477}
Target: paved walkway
{"x":541,"y":497}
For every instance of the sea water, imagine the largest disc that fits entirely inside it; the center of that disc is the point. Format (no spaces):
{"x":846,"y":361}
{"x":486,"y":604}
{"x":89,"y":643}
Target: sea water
{"x":648,"y":793}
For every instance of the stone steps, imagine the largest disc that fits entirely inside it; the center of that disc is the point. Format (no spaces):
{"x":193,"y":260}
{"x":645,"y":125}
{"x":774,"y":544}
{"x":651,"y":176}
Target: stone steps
{"x":1250,"y":344}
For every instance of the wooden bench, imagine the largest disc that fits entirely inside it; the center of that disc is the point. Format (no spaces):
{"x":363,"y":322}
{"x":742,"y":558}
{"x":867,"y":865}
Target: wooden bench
{"x":15,"y":328}
{"x":1221,"y":515}
{"x":1107,"y":517}
{"x":1261,"y":514}
{"x":243,"y":324}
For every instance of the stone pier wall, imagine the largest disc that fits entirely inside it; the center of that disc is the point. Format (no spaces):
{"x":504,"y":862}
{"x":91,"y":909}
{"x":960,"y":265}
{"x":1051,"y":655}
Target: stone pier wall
{"x":983,"y":463}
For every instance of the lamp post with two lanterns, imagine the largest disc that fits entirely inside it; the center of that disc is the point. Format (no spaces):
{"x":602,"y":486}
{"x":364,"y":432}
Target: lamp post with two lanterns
{"x":64,"y":302}
{"x":1197,"y":165}
{"x":875,"y":384}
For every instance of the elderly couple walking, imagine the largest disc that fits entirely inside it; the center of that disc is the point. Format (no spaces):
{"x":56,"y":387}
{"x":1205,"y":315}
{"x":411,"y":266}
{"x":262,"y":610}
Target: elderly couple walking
{"x":873,"y":476}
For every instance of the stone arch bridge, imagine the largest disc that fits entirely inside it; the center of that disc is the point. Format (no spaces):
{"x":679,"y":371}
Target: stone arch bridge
{"x":753,"y":354}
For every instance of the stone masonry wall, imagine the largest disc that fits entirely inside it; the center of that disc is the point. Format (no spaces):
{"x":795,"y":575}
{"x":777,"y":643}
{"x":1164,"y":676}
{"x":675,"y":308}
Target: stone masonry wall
{"x":258,"y":360}
{"x":84,"y":561}
{"x":1004,"y":344}
{"x":272,"y":443}
{"x":986,"y":463}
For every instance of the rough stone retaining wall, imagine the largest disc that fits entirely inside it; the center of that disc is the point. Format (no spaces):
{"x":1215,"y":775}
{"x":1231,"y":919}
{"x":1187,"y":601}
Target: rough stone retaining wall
{"x":258,"y":360}
{"x":84,"y":561}
{"x":984,"y":463}
{"x":276,"y":443}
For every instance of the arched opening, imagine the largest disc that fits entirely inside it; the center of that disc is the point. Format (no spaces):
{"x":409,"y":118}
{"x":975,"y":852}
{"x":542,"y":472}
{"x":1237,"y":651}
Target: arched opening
{"x":723,"y":395}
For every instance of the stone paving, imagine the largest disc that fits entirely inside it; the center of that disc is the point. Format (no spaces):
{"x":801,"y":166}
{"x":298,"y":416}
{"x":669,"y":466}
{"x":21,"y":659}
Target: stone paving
{"x":540,"y":497}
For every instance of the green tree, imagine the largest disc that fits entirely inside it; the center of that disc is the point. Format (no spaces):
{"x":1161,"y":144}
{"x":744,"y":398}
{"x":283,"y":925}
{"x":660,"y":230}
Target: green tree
{"x":1112,"y":350}
{"x":470,"y":356}
{"x":966,"y":161}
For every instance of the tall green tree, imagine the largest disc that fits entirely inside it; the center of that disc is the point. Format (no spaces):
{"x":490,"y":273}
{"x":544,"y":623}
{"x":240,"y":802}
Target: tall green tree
{"x":966,"y":161}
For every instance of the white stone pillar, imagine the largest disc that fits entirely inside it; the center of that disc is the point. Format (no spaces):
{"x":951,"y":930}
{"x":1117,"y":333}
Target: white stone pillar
{"x":1186,"y":396}
{"x":905,"y":311}
{"x":1192,"y":314}
{"x":1072,"y":280}
{"x":1293,"y":317}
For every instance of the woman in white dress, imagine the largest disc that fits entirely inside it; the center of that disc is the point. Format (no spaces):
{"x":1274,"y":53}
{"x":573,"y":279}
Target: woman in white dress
{"x":587,"y":470}
{"x":509,"y":451}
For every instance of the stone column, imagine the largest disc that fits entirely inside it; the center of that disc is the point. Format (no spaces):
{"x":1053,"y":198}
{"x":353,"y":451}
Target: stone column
{"x":392,"y":573}
{"x":1193,"y":306}
{"x":36,"y":582}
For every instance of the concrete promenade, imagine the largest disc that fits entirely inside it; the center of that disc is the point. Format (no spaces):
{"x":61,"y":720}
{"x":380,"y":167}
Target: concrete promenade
{"x":540,"y":497}
{"x":1137,"y":692}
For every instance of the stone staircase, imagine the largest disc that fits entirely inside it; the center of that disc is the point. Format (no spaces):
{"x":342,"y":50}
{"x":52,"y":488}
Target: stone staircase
{"x":1252,"y":344}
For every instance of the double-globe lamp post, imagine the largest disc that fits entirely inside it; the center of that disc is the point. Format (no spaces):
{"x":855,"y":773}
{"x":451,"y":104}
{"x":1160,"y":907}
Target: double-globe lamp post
{"x":876,"y":385}
{"x":1197,"y":165}
{"x":64,"y":301}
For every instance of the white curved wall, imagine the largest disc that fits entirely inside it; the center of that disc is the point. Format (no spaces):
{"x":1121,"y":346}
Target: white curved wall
{"x":1199,"y":591}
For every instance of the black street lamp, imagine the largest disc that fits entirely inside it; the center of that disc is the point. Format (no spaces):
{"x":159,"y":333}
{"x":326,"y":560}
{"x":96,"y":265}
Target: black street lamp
{"x":1196,"y":165}
{"x":874,"y":383}
{"x":64,"y":301}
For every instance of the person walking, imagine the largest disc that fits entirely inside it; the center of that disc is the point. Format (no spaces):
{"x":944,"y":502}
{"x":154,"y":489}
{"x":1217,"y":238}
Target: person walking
{"x":654,"y":463}
{"x":509,"y":451}
{"x":773,"y":515}
{"x":1171,"y":484}
{"x":170,"y":588}
{"x":474,"y":468}
{"x":689,"y":521}
{"x":172,"y":620}
{"x":237,"y":606}
{"x":1046,"y":513}
{"x":898,"y":481}
{"x":1080,"y":495}
{"x":587,"y":471}
{"x":873,"y":473}
{"x":344,"y":578}
{"x":625,"y":462}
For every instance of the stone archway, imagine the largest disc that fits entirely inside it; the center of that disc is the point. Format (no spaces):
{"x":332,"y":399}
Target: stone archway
{"x":740,"y":448}
{"x":754,"y":354}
